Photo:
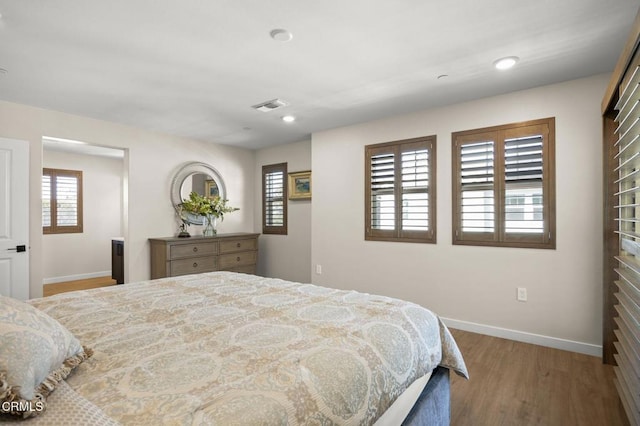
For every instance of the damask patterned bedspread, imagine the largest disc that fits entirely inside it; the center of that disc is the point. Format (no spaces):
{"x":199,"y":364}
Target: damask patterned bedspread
{"x":224,"y":348}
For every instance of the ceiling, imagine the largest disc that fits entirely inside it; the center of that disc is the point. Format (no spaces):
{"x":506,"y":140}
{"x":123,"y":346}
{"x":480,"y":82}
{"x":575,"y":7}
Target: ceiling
{"x":194,"y":68}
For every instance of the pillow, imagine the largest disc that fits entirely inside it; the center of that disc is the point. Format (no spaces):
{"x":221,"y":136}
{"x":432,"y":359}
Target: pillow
{"x":36,"y":353}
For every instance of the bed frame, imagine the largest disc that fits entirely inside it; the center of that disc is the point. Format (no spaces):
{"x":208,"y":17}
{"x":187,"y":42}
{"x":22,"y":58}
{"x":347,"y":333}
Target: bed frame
{"x":433,"y":407}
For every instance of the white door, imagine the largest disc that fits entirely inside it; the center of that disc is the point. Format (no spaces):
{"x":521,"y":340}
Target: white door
{"x":14,"y":218}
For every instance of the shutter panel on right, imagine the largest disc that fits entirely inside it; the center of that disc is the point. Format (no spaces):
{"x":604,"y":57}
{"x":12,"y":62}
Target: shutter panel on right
{"x":528,"y":171}
{"x":415,"y":190}
{"x":523,"y":169}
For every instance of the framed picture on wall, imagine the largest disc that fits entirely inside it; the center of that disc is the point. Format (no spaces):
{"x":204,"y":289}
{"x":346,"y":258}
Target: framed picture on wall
{"x":300,"y":185}
{"x":211,"y":188}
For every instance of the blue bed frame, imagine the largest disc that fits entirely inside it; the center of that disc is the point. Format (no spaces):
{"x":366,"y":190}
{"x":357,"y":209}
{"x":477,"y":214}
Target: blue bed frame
{"x":433,"y":407}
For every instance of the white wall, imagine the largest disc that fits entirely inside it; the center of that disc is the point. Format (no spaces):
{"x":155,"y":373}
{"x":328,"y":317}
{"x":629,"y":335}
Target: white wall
{"x":151,"y":159}
{"x":475,"y":285}
{"x":82,"y":255}
{"x":286,"y":256}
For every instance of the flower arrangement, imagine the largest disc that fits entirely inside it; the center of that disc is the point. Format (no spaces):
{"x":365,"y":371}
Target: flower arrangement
{"x":204,"y":206}
{"x":209,"y":209}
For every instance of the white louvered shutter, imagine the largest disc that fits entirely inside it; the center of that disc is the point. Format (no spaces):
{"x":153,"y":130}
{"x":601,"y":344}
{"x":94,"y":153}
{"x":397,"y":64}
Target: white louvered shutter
{"x":477,"y":185}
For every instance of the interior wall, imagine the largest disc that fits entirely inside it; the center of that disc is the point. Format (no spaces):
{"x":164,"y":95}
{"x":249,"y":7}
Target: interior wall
{"x":90,"y":250}
{"x":152,"y":159}
{"x":286,"y":256}
{"x":474,"y":285}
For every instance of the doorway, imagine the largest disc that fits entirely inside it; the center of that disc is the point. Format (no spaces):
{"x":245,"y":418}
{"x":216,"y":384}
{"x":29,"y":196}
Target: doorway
{"x":86,"y":256}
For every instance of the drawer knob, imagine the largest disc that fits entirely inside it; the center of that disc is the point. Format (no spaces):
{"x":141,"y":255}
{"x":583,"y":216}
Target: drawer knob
{"x":195,"y":264}
{"x":238,"y":259}
{"x":238,"y":245}
{"x":195,"y":249}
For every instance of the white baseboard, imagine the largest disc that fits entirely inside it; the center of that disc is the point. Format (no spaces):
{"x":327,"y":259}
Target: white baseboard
{"x":76,"y":277}
{"x":521,"y":336}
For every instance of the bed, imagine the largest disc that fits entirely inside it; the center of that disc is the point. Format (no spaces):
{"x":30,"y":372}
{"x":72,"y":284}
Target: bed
{"x":225,"y":348}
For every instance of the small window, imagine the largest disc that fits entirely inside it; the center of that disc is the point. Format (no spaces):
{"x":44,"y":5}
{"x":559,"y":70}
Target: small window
{"x":504,"y":185}
{"x":61,"y":201}
{"x":274,"y":199}
{"x":400,"y":191}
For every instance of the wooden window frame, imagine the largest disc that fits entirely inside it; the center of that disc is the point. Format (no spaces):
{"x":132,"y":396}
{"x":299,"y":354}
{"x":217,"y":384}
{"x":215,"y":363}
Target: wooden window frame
{"x":266,"y":170}
{"x":398,"y":234}
{"x":61,"y":229}
{"x":499,"y":237}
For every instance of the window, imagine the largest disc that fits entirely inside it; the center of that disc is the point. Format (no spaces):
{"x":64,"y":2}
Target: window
{"x":504,"y":185}
{"x":61,"y":201}
{"x":274,"y":199}
{"x":400,"y":191}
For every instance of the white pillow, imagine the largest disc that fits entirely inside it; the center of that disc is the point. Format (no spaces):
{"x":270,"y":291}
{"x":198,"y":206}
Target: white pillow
{"x":36,"y":353}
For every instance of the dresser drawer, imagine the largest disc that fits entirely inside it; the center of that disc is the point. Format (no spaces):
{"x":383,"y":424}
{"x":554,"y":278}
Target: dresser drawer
{"x":180,"y":251}
{"x":238,"y":245}
{"x":228,"y":261}
{"x":248,"y":269}
{"x":193,"y":265}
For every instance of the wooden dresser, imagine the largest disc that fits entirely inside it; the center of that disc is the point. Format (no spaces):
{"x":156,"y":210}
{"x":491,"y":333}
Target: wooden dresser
{"x":173,"y":256}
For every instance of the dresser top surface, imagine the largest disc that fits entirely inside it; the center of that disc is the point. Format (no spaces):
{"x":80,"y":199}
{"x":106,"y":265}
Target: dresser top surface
{"x":202,"y":238}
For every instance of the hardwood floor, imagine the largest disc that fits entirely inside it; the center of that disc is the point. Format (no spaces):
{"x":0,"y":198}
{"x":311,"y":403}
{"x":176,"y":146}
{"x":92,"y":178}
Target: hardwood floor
{"x":51,"y":289}
{"x":513,"y":383}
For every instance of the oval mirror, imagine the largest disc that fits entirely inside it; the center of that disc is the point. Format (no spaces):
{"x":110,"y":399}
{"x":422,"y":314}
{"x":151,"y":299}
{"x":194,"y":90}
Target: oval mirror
{"x":200,"y":178}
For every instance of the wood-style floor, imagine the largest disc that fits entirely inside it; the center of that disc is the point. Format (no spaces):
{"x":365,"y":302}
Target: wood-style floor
{"x":51,"y":289}
{"x":513,"y":383}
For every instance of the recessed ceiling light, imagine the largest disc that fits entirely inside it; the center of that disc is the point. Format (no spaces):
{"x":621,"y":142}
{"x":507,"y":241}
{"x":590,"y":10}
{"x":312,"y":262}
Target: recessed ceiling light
{"x":506,"y":63}
{"x":281,"y":35}
{"x":288,"y":118}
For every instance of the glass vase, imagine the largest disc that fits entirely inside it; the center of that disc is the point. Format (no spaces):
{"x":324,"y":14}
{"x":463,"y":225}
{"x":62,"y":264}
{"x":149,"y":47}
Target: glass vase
{"x":210,"y":222}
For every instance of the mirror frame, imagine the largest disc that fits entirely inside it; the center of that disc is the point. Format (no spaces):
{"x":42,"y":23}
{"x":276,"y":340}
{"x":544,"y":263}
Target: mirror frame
{"x":186,"y":170}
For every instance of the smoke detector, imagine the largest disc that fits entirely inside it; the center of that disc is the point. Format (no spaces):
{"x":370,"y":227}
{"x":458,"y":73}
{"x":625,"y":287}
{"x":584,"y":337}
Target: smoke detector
{"x":270,"y":105}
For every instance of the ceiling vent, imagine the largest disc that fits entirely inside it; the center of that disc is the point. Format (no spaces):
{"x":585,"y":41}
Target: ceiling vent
{"x":270,"y":105}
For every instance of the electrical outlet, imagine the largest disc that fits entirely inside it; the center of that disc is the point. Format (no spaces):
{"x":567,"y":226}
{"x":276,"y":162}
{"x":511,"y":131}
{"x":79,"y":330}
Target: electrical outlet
{"x":522,"y":294}
{"x":319,"y":269}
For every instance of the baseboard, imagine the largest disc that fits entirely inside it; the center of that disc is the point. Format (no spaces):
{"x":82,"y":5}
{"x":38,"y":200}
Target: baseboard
{"x":55,"y":280}
{"x":521,"y":336}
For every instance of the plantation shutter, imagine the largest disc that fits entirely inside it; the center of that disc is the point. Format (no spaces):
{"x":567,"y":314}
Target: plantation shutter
{"x":46,"y":201}
{"x":399,"y":191}
{"x":415,"y":189}
{"x":383,"y":191}
{"x":503,"y":185}
{"x":274,"y":199}
{"x":61,"y":201}
{"x":523,"y":162}
{"x":66,"y":201}
{"x":477,"y":187}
